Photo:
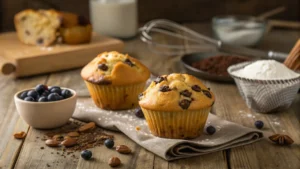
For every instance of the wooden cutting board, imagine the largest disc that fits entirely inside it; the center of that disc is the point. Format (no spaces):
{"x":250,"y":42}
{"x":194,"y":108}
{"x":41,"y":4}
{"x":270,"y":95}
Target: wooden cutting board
{"x":26,"y":60}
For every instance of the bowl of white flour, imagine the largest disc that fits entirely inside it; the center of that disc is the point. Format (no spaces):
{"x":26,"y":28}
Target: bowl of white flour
{"x":266,"y":85}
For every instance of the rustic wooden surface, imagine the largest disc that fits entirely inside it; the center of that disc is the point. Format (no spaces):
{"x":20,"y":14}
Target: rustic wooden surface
{"x":23,"y":154}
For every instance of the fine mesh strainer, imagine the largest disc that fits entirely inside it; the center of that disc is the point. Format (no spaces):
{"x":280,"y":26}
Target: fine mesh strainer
{"x":265,"y":96}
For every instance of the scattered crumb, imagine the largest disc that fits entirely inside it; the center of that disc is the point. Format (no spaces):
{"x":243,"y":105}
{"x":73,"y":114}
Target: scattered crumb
{"x":42,"y":148}
{"x":137,"y":128}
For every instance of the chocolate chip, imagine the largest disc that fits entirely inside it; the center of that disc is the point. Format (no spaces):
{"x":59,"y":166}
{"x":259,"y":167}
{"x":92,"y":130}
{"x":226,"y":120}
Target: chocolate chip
{"x":159,"y":79}
{"x":184,"y":104}
{"x":27,"y":32}
{"x":140,"y":96}
{"x":23,"y":18}
{"x":128,"y":62}
{"x":196,"y":88}
{"x":40,"y":41}
{"x":186,"y":93}
{"x":207,"y":93}
{"x":208,"y":88}
{"x":83,"y":21}
{"x":103,"y":67}
{"x":164,"y":88}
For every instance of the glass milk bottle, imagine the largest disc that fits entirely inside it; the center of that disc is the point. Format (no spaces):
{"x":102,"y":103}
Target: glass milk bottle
{"x":117,"y":18}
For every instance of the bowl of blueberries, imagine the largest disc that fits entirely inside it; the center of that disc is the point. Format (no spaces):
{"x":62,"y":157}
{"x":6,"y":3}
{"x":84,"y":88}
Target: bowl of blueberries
{"x":46,"y":107}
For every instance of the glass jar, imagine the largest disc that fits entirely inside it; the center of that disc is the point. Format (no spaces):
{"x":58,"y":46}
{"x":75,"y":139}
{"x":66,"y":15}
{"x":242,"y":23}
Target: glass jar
{"x":117,"y":18}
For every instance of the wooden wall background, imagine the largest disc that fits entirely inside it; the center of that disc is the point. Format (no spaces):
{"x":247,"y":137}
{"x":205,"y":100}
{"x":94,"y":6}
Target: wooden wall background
{"x":178,"y":10}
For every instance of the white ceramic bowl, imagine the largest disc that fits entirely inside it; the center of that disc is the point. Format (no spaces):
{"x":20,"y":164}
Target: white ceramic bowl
{"x":46,"y":115}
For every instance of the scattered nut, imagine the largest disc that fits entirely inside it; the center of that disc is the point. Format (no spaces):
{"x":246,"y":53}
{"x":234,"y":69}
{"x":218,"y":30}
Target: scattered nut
{"x":123,"y":149}
{"x":20,"y":135}
{"x":52,"y":143}
{"x":281,"y":139}
{"x":58,"y":137}
{"x":87,"y":127}
{"x":67,"y":137}
{"x":114,"y":161}
{"x":69,"y":142}
{"x":73,"y":134}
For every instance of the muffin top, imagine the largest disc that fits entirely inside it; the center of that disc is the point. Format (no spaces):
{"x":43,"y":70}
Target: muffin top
{"x":176,"y":92}
{"x":113,"y":68}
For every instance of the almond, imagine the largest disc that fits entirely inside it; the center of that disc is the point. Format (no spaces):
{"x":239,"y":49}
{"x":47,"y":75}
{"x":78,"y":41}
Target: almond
{"x":123,"y":149}
{"x":69,"y":142}
{"x":52,"y":143}
{"x":114,"y":161}
{"x":73,"y":134}
{"x":87,"y":127}
{"x":58,"y":137}
{"x":20,"y":135}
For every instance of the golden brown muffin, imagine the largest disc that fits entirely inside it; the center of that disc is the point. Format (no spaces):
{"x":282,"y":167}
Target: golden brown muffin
{"x":114,"y":80}
{"x":176,"y":106}
{"x":75,"y":29}
{"x":37,"y":27}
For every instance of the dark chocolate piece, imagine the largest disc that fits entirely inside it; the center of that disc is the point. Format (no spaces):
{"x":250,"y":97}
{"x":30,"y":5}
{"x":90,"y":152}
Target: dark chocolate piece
{"x":102,"y":66}
{"x":40,"y":41}
{"x":196,"y":88}
{"x":128,"y":62}
{"x":184,"y":104}
{"x":186,"y":93}
{"x":159,"y":79}
{"x":207,"y":93}
{"x":164,"y":88}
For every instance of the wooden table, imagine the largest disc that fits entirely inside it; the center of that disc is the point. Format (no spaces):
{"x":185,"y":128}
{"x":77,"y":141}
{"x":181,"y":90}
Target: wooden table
{"x":229,"y":105}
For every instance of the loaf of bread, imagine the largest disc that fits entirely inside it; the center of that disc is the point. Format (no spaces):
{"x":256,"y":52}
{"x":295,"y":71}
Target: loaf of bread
{"x":37,"y":27}
{"x":75,"y":29}
{"x":42,"y":27}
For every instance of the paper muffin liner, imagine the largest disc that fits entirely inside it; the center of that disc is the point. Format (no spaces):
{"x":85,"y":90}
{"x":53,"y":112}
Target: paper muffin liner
{"x":177,"y":125}
{"x":115,"y":97}
{"x":265,"y":96}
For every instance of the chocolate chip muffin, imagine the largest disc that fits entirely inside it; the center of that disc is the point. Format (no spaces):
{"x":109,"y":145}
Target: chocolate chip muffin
{"x":114,"y":80}
{"x":176,"y":106}
{"x":75,"y":29}
{"x":37,"y":27}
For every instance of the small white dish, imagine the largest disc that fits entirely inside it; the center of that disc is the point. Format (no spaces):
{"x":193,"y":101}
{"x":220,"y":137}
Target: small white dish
{"x":46,"y":115}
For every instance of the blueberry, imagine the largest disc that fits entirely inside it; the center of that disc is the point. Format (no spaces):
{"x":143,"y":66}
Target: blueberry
{"x":33,"y":93}
{"x":29,"y":98}
{"x":43,"y":99}
{"x":53,"y":97}
{"x":86,"y":154}
{"x":45,"y":93}
{"x":23,"y":95}
{"x":56,"y":90}
{"x":52,"y":87}
{"x":40,"y":88}
{"x":139,"y":113}
{"x":66,"y":93}
{"x":259,"y":124}
{"x":210,"y":130}
{"x":60,"y":97}
{"x":109,"y":143}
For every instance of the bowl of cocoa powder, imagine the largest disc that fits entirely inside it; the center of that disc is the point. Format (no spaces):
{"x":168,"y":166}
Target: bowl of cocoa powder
{"x":211,"y":66}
